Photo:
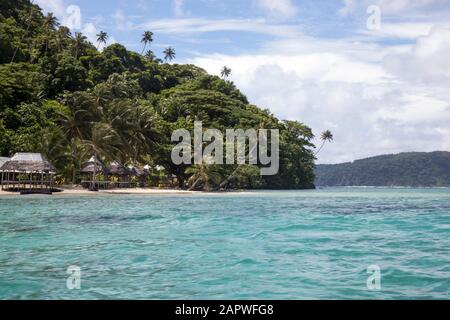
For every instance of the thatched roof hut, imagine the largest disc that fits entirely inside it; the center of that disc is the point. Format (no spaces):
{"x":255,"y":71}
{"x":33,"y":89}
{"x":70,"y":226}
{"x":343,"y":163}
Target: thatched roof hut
{"x":118,"y":169}
{"x":27,"y":163}
{"x":3,"y":160}
{"x":94,"y":165}
{"x":138,"y":172}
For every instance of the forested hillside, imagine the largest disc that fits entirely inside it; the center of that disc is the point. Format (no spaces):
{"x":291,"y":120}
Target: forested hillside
{"x":413,"y":169}
{"x":62,"y":97}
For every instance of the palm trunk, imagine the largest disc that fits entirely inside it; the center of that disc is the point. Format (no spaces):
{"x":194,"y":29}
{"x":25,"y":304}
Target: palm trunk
{"x":27,"y":30}
{"x":227,"y":180}
{"x":74,"y":174}
{"x":321,"y":147}
{"x":195,"y":184}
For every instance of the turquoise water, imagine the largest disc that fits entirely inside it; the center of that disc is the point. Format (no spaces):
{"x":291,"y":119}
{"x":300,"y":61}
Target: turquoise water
{"x":262,"y":245}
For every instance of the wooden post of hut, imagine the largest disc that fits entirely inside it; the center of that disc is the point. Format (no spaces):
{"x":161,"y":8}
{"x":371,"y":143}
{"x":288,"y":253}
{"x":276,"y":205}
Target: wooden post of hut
{"x":118,"y":170}
{"x":91,"y":168}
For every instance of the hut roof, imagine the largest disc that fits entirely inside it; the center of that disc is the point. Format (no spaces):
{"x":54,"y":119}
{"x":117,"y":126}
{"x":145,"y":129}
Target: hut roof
{"x":28,"y":162}
{"x":138,"y":172}
{"x":116,"y":168}
{"x":93,"y":165}
{"x":3,"y":160}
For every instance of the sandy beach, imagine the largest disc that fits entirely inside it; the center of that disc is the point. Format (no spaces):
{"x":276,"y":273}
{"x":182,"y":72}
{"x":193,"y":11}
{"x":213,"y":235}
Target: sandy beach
{"x":135,"y":191}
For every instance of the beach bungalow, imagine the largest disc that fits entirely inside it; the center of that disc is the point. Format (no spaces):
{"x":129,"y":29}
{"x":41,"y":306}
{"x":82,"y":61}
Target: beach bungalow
{"x":122,"y":173}
{"x":141,"y":174}
{"x":27,"y":173}
{"x":93,"y":168}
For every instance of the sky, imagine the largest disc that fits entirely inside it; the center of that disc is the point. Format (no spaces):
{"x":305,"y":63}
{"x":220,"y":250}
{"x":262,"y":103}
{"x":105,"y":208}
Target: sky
{"x":374,"y":72}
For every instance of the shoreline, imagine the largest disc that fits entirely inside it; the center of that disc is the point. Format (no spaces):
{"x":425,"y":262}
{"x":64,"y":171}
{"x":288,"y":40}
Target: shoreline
{"x":155,"y":191}
{"x":129,"y":191}
{"x":125,"y":191}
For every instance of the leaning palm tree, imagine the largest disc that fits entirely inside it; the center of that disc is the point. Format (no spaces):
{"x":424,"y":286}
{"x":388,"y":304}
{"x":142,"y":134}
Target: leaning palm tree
{"x":326,"y":136}
{"x":147,"y":38}
{"x":225,"y":73}
{"x":101,"y":38}
{"x":204,"y":176}
{"x":169,"y":54}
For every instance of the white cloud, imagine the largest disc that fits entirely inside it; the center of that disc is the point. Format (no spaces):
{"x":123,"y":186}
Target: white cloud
{"x":91,"y":31}
{"x":389,"y":6}
{"x":284,"y":8}
{"x":201,"y":25}
{"x":346,"y":86}
{"x":401,"y":30}
{"x":178,"y":7}
{"x":122,"y":22}
{"x":70,"y":16}
{"x":55,"y":6}
{"x":428,"y":61}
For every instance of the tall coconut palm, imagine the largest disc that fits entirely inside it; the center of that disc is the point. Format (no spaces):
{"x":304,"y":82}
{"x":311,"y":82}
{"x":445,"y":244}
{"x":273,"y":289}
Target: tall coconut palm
{"x":225,"y":73}
{"x":28,"y":22}
{"x":169,"y":54}
{"x":50,"y":23}
{"x":75,"y":120}
{"x":101,"y":38}
{"x":78,"y":43}
{"x":326,"y":136}
{"x":103,"y":141}
{"x":147,"y":38}
{"x":62,"y":35}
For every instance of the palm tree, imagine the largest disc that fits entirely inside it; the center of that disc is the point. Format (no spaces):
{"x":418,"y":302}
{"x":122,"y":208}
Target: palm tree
{"x":147,"y":37}
{"x":326,"y":136}
{"x":28,"y":21}
{"x":75,"y":121}
{"x":50,"y":21}
{"x":225,"y":73}
{"x":150,"y":56}
{"x":62,"y":35}
{"x":169,"y":54}
{"x":101,"y":38}
{"x":78,"y":43}
{"x":204,"y":174}
{"x":103,"y":141}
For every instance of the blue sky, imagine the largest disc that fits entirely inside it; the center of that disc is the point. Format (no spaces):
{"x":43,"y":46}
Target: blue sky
{"x":378,"y":79}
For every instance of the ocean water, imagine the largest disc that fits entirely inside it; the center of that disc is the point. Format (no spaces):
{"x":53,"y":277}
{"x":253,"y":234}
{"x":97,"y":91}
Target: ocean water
{"x":257,"y":245}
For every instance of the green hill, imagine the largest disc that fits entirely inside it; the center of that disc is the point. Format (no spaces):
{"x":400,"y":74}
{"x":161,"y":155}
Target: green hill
{"x":415,"y":169}
{"x":62,"y":97}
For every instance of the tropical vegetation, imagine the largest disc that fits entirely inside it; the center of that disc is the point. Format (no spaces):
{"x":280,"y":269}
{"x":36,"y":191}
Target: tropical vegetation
{"x":61,"y":96}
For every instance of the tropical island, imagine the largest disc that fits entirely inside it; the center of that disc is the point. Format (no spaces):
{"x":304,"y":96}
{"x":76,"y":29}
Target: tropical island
{"x":63,"y":98}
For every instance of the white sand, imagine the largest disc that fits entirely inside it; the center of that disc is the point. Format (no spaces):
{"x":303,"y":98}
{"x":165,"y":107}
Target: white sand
{"x":137,"y":191}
